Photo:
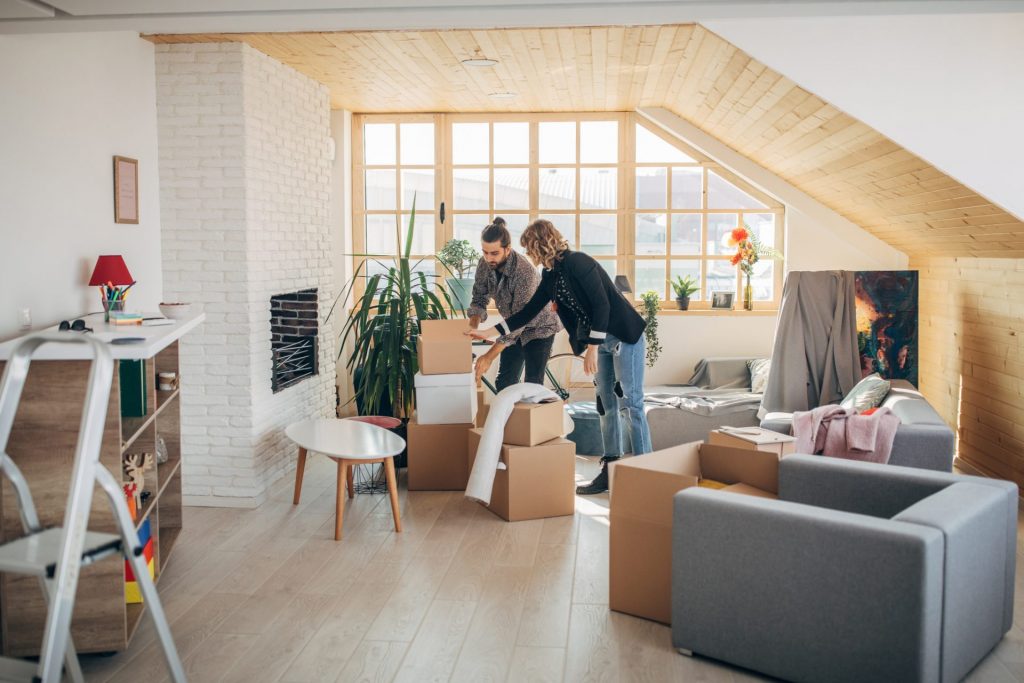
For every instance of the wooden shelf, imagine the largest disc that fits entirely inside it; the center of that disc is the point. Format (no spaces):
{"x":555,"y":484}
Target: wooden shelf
{"x":42,"y":444}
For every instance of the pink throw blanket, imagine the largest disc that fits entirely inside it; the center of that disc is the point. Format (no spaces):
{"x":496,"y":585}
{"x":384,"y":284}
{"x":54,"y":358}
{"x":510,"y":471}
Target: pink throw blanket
{"x":841,"y":433}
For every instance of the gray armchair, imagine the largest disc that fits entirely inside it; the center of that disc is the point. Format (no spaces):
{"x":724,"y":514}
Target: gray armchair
{"x":858,"y":572}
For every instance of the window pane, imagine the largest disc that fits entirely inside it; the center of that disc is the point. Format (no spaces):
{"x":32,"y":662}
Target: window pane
{"x":722,"y":194}
{"x":468,"y":226}
{"x":516,"y":224}
{"x":651,"y":233}
{"x":557,"y":188}
{"x":651,"y":149}
{"x":686,"y":187}
{"x":598,"y":234}
{"x":469,"y":143}
{"x":609,"y":266}
{"x":598,"y":188}
{"x":566,"y":224}
{"x":379,"y":143}
{"x":380,"y":190}
{"x":719,"y":227}
{"x":378,"y":267}
{"x":721,"y":278}
{"x":511,"y":188}
{"x":649,"y":275}
{"x":417,"y":143}
{"x":682,"y":269}
{"x":599,"y":142}
{"x":557,"y":142}
{"x":422,"y":233}
{"x":686,"y":233}
{"x":512,"y":143}
{"x":381,"y":235}
{"x":763,"y":280}
{"x":763,"y":225}
{"x":418,"y":181}
{"x":471,"y":189}
{"x":651,"y":188}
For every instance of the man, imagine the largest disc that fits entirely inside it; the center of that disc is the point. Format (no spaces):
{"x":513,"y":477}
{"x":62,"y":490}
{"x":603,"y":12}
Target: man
{"x":510,"y":279}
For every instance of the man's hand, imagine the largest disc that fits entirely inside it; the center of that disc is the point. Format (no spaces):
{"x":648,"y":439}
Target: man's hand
{"x":482,"y":335}
{"x":590,"y":360}
{"x":483,"y":364}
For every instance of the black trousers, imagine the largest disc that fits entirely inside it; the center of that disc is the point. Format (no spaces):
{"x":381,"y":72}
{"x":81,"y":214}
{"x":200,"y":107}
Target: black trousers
{"x":534,"y":355}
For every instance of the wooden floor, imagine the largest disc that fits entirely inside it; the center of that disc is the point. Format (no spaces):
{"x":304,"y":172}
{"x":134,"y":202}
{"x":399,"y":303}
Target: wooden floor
{"x":460,"y":595}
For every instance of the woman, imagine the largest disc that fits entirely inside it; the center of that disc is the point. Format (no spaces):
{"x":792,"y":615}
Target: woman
{"x":602,"y":325}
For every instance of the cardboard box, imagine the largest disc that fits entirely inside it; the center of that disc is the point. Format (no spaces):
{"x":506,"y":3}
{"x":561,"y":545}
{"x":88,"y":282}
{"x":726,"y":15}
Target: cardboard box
{"x":445,"y":399}
{"x":437,"y":456}
{"x":482,"y":407}
{"x":539,"y":481}
{"x":754,"y":437}
{"x":640,"y":553}
{"x":534,"y":423}
{"x":442,"y":347}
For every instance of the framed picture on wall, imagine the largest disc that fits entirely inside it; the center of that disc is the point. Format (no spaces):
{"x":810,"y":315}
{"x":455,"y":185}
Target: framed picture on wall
{"x":721,"y":300}
{"x":126,"y":190}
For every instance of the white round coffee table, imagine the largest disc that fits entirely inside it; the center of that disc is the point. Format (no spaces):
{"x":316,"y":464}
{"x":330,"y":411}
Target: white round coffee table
{"x":348,"y":443}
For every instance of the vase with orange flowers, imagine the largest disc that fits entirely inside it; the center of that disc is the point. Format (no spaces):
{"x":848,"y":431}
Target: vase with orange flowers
{"x":749,"y":250}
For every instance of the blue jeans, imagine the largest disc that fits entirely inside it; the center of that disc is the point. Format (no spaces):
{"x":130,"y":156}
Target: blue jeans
{"x":620,"y":388}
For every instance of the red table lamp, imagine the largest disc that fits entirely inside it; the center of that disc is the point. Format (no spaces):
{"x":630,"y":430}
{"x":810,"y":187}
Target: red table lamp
{"x":110,"y":268}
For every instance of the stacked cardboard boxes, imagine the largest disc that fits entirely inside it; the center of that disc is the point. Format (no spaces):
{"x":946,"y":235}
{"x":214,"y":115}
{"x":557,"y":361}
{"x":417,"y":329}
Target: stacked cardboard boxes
{"x":540,"y":466}
{"x":446,"y":399}
{"x":640,"y":553}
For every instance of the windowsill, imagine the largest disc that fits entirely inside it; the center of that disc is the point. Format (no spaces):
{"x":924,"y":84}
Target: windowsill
{"x":719,"y":313}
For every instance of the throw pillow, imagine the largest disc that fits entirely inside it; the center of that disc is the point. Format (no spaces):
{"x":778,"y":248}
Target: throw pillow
{"x":869,"y":393}
{"x":759,"y":369}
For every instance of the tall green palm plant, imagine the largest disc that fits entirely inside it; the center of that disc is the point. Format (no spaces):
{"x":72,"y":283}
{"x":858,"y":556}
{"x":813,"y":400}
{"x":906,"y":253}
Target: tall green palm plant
{"x":384,"y":327}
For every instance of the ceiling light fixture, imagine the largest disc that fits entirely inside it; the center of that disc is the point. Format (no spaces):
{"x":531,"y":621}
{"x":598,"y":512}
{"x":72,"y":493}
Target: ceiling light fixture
{"x":479,"y":61}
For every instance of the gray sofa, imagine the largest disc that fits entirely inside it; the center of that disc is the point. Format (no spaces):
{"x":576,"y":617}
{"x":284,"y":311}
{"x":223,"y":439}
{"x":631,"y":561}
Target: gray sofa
{"x":713,"y":377}
{"x":922,"y":440}
{"x":859,"y":572}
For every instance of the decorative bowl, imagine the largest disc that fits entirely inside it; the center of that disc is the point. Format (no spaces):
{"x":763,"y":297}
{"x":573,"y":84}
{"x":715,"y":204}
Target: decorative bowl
{"x":175,"y":310}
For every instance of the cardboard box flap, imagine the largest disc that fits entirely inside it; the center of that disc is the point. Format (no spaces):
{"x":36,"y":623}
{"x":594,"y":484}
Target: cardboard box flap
{"x":759,"y":469}
{"x":643,"y":486}
{"x":444,"y":330}
{"x":757,"y":435}
{"x":748,"y":490}
{"x":450,"y":380}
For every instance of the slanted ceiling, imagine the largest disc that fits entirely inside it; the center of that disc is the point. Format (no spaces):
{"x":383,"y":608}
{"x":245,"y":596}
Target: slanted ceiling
{"x":841,"y":162}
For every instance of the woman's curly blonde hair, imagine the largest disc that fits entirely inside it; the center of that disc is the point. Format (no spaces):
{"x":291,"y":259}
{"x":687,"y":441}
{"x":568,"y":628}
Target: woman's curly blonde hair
{"x":543,"y":243}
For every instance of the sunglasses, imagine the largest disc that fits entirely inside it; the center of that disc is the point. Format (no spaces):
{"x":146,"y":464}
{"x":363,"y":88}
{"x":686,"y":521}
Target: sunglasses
{"x":74,"y":326}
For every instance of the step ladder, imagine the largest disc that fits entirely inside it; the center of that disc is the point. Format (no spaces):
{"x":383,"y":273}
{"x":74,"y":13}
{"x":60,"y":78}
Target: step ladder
{"x":56,"y":555}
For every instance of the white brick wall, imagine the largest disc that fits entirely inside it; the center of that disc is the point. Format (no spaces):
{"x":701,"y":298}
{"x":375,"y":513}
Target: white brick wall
{"x":244,"y":179}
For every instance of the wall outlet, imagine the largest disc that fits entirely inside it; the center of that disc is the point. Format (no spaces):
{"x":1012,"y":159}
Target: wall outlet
{"x":25,"y":318}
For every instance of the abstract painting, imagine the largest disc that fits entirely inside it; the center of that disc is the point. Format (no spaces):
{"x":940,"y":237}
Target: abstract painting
{"x":887,"y":323}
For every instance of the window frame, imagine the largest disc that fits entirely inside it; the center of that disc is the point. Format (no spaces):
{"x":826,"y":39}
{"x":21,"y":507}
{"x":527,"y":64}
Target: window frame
{"x":625,"y":211}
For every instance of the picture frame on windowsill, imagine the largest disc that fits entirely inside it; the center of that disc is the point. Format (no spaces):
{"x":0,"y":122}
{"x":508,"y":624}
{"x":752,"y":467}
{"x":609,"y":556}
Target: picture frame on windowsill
{"x":722,"y":301}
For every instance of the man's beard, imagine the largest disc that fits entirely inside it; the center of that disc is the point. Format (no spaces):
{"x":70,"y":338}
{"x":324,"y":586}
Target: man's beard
{"x":495,"y":266}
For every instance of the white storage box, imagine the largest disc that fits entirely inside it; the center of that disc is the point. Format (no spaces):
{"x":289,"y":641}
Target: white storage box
{"x":445,"y":399}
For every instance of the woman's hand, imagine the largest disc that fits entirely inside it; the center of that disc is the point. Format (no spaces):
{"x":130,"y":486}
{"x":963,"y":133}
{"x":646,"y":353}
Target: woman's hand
{"x":483,"y":364}
{"x":590,"y":360}
{"x":482,"y":335}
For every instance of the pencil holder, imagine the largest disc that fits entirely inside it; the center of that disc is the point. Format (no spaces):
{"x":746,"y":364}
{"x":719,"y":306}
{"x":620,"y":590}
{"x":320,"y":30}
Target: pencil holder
{"x":116,"y":306}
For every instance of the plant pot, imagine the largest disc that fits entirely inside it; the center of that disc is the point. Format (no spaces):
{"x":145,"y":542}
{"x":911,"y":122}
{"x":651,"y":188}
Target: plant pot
{"x":460,"y":289}
{"x":683,"y":302}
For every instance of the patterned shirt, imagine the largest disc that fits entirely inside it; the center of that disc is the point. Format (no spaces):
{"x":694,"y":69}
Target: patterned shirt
{"x":518,"y":283}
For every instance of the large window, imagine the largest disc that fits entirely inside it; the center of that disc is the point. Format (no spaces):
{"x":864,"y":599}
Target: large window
{"x":642,"y":203}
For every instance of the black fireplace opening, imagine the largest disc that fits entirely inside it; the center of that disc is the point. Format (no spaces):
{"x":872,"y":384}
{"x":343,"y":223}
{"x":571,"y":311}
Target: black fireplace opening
{"x":294,"y":325}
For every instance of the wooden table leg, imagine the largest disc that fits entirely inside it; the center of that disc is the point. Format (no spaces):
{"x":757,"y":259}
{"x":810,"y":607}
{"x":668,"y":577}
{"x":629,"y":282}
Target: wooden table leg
{"x":389,"y":470}
{"x":340,"y":512}
{"x":299,"y":469}
{"x":351,"y":480}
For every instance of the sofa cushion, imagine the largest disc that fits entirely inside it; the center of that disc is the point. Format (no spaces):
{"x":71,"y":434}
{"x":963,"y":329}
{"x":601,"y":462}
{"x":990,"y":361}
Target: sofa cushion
{"x":869,"y":393}
{"x":759,"y":369}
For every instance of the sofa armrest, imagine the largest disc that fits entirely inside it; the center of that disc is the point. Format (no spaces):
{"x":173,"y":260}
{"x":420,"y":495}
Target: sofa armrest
{"x":803,"y":593}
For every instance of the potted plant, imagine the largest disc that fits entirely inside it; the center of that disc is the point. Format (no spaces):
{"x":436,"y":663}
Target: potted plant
{"x":460,"y":258}
{"x":384,"y":327}
{"x":651,"y":304}
{"x":684,"y":287}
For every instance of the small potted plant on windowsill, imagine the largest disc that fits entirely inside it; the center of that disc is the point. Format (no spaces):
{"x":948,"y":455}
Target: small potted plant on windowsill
{"x":684,"y":287}
{"x":460,"y":259}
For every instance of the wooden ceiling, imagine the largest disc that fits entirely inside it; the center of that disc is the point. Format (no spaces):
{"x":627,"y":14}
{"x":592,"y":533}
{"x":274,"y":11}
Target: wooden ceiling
{"x":841,"y":162}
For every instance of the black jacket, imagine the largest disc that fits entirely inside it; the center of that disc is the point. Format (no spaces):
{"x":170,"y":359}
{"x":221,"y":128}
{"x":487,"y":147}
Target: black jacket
{"x":589,"y":306}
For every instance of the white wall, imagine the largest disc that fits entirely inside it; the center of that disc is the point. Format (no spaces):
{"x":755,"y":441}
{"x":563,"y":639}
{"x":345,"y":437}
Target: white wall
{"x":946,"y":87}
{"x":68,"y":104}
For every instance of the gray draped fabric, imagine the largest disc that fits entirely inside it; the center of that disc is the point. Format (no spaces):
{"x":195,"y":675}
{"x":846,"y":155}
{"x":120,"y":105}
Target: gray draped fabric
{"x":814,"y":359}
